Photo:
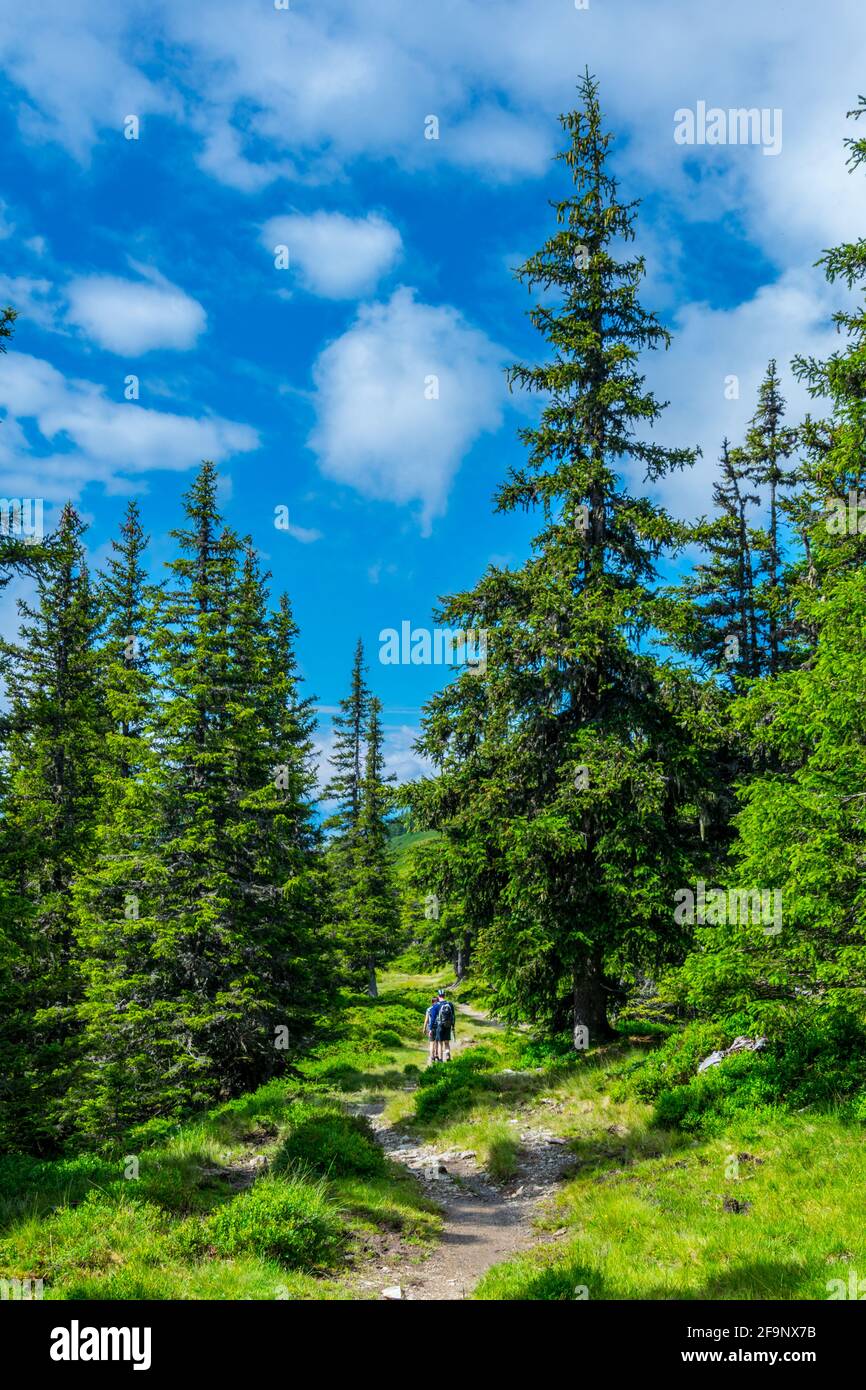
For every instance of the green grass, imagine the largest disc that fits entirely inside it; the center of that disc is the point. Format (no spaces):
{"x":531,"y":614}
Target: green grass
{"x":180,"y":1214}
{"x":758,"y":1204}
{"x":649,"y":1213}
{"x":282,"y":1218}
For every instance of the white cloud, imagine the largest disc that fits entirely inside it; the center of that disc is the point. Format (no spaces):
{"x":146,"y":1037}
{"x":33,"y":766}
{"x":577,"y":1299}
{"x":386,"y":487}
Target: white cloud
{"x":134,"y":316}
{"x":337,"y":257}
{"x":301,"y":93}
{"x":75,"y":61}
{"x":305,"y":534}
{"x":510,"y":145}
{"x":222,"y":157}
{"x":34,"y":299}
{"x":400,"y":756}
{"x":712,"y":345}
{"x":380,"y":428}
{"x":108,"y":439}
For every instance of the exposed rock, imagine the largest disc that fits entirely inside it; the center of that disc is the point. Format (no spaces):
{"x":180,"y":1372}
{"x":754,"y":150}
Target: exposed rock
{"x":393,"y":1293}
{"x":741,"y":1044}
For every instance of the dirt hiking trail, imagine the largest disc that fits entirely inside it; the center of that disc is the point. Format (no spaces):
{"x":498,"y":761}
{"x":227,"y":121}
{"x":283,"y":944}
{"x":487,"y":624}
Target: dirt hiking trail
{"x":485,"y":1222}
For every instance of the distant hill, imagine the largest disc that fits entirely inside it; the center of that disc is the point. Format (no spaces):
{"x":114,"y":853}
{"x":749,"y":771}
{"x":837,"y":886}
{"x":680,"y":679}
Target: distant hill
{"x":400,"y":845}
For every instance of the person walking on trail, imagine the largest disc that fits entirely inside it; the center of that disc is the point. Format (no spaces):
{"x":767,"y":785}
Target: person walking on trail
{"x":445,"y":1027}
{"x":430,"y":1027}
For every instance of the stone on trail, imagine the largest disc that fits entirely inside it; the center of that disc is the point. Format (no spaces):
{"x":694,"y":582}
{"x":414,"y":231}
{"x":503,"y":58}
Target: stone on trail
{"x":393,"y":1293}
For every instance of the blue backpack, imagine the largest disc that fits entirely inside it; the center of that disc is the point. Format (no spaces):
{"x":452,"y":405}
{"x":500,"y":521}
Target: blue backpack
{"x":445,"y":1016}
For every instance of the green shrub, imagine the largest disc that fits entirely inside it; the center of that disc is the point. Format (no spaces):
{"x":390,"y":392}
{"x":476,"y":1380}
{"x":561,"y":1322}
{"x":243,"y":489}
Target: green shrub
{"x":819,"y":1062}
{"x":443,"y":1101}
{"x":284,"y":1219}
{"x":709,"y":1101}
{"x":465,"y":1065}
{"x":536,"y":1052}
{"x":445,"y":1090}
{"x":325,"y":1140}
{"x":676,"y":1062}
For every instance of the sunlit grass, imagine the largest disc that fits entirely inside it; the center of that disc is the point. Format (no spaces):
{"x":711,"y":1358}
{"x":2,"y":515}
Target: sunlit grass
{"x":760,"y":1212}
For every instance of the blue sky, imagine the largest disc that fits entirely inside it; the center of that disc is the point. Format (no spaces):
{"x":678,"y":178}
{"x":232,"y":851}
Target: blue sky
{"x":261,"y":127}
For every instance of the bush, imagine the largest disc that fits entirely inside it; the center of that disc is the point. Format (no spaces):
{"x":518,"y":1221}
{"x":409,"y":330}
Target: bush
{"x":712,"y":1099}
{"x":677,"y":1060}
{"x":326,"y":1140}
{"x":445,"y":1090}
{"x":465,"y":1065}
{"x":536,"y":1052}
{"x":443,"y":1101}
{"x":818,"y":1062}
{"x":284,"y":1219}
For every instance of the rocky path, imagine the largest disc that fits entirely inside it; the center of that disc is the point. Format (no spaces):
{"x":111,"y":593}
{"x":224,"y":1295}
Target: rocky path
{"x":485,"y":1222}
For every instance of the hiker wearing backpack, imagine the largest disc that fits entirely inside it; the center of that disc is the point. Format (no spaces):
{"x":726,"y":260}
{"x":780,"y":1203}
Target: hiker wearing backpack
{"x":430,"y":1027}
{"x":445,"y":1027}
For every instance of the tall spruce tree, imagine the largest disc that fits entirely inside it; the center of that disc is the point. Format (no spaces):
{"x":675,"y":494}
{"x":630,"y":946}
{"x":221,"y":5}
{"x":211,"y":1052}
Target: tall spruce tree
{"x":53,"y":757}
{"x":725,"y":632}
{"x":347,"y":758}
{"x":363,"y":882}
{"x":371,"y":915}
{"x":199,"y":922}
{"x":769,"y":443}
{"x":802,"y":821}
{"x":109,"y":1088}
{"x":344,"y":789}
{"x":573,"y":780}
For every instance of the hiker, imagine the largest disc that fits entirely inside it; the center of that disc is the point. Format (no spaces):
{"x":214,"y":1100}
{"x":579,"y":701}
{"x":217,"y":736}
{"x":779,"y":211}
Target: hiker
{"x":445,"y":1027}
{"x":430,"y":1027}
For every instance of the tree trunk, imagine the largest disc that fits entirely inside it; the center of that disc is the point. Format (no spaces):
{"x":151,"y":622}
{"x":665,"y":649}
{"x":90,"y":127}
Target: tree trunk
{"x":461,"y":965}
{"x":590,"y":1012}
{"x":372,"y":988}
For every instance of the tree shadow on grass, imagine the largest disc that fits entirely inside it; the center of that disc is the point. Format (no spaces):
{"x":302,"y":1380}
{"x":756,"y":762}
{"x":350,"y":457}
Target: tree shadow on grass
{"x":550,"y":1277}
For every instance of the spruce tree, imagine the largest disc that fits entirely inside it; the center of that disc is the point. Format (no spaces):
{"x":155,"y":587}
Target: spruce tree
{"x":371,"y":916}
{"x":344,"y":786}
{"x":802,"y":821}
{"x":204,"y":987}
{"x":725,"y":633}
{"x":363,"y":880}
{"x":109,"y":1088}
{"x":572,"y":780}
{"x":344,"y":790}
{"x":53,"y":758}
{"x":769,"y":443}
